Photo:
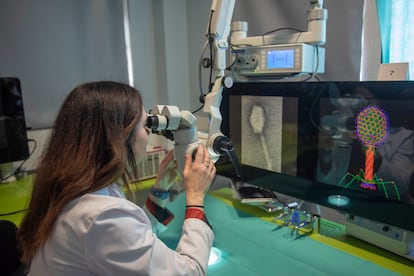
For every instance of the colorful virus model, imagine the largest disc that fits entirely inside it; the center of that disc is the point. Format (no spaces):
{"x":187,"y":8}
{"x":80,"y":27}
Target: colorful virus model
{"x":299,"y":221}
{"x":372,"y":126}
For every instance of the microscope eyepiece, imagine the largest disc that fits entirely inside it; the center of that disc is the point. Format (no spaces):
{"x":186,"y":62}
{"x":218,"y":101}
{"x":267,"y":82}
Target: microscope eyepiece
{"x":157,"y":122}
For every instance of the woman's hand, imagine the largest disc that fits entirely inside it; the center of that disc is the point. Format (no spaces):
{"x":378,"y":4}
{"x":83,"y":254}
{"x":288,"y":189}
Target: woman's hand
{"x":198,"y":176}
{"x":167,"y":173}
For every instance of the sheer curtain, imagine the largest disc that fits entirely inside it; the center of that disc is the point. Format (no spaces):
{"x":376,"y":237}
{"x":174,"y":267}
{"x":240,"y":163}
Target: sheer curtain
{"x":397,"y":33}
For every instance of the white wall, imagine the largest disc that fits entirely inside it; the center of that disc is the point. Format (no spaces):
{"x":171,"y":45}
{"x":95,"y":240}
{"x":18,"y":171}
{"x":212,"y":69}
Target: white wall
{"x":161,"y":46}
{"x":53,"y":45}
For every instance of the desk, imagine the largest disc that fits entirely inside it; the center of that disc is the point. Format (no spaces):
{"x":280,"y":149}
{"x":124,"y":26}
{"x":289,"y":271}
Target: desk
{"x":15,"y":196}
{"x":253,"y":245}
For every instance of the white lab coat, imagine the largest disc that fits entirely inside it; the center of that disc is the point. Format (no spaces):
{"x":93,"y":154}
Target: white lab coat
{"x":105,"y":234}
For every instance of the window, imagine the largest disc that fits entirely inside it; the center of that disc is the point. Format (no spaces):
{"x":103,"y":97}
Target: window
{"x":397,"y":33}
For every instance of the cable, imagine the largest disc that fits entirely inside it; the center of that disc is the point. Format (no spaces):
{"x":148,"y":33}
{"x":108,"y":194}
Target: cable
{"x":18,"y":169}
{"x":200,"y":67}
{"x":210,"y":43}
{"x":315,"y":71}
{"x":12,"y":213}
{"x":198,"y":109}
{"x":281,"y":29}
{"x":201,"y":59}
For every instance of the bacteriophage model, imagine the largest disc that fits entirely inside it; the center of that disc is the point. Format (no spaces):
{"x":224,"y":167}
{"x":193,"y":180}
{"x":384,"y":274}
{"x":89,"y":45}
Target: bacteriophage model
{"x":371,"y":128}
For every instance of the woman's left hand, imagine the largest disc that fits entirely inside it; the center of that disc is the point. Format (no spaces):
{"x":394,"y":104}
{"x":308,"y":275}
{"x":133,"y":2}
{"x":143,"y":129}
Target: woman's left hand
{"x":167,"y":173}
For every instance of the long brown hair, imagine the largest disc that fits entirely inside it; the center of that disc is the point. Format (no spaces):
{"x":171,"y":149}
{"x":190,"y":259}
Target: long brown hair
{"x":91,"y":147}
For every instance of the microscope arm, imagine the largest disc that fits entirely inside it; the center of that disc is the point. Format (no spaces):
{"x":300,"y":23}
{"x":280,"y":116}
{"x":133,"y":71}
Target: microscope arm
{"x":315,"y":34}
{"x":181,"y":125}
{"x":217,"y":32}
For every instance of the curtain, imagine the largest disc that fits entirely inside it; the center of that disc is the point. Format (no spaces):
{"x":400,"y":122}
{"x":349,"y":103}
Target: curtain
{"x":397,"y":33}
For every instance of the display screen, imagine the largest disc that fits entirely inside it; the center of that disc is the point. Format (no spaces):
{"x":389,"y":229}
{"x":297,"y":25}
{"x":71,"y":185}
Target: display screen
{"x":267,"y":132}
{"x":277,"y":59}
{"x":366,"y":141}
{"x":13,"y":136}
{"x":312,"y":139}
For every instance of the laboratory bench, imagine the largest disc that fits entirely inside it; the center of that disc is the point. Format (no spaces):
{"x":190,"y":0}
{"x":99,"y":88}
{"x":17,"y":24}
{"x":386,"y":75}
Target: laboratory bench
{"x":252,"y":242}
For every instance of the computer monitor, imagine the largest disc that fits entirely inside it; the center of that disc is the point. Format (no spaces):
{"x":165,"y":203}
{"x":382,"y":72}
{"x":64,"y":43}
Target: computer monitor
{"x":13,"y":135}
{"x":311,"y":140}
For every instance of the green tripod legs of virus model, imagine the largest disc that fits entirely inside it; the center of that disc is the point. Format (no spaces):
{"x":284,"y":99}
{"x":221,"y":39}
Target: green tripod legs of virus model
{"x":372,"y":125}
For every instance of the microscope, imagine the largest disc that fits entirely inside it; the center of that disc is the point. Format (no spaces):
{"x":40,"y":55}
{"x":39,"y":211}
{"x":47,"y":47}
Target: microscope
{"x":181,"y":125}
{"x":252,"y":57}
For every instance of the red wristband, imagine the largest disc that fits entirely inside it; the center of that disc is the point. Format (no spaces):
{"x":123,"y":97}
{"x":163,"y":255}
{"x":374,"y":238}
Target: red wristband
{"x":191,"y":212}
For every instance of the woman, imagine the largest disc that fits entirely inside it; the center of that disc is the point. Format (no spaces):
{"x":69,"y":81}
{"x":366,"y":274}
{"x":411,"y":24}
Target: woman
{"x":79,"y":222}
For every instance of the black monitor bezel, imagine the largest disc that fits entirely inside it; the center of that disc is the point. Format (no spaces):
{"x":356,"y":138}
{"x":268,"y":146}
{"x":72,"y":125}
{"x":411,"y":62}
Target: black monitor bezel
{"x":20,"y":149}
{"x":374,"y":207}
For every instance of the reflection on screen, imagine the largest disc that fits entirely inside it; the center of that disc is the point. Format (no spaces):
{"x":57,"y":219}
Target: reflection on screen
{"x":367,"y":144}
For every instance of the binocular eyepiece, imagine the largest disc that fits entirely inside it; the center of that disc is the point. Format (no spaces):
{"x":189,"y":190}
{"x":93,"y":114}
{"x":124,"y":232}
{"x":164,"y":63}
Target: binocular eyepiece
{"x":157,"y":122}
